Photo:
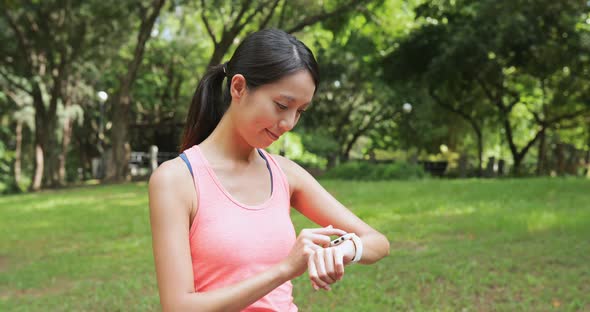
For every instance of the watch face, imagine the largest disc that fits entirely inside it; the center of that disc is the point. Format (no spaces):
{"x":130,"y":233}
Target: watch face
{"x":339,"y":240}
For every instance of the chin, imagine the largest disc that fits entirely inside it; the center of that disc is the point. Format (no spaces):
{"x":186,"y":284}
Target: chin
{"x":259,"y":143}
{"x":263,"y":145}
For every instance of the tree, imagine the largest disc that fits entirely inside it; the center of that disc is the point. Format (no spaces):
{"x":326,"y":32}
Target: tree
{"x":121,"y":103}
{"x":352,"y":101}
{"x":225,"y":21}
{"x":44,"y":42}
{"x":423,"y":56}
{"x":509,"y":51}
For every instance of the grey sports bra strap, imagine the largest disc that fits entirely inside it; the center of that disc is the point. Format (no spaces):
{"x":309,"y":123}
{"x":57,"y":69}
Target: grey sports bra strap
{"x":267,"y":166}
{"x":188,"y":164}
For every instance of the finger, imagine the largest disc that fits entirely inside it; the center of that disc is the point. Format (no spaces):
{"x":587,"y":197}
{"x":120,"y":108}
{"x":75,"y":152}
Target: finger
{"x":338,"y":263}
{"x":320,"y":240}
{"x":329,"y":264}
{"x":313,"y":246}
{"x":313,"y":273}
{"x":321,"y":267}
{"x":313,"y":284}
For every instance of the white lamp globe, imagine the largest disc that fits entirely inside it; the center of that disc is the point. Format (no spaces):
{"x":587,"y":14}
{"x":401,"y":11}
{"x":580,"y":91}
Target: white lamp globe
{"x":407,"y":107}
{"x":103,"y":96}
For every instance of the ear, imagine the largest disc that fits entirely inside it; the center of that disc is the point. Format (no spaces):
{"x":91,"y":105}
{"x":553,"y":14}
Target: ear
{"x":238,"y":87}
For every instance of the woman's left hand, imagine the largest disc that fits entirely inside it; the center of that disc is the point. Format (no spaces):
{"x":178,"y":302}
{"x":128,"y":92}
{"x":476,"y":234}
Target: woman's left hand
{"x":326,"y":265}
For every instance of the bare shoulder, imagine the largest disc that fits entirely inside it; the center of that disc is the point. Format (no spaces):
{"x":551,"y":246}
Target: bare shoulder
{"x":296,"y":175}
{"x":170,"y":201}
{"x":172,"y":178}
{"x":172,"y":172}
{"x":285,"y":163}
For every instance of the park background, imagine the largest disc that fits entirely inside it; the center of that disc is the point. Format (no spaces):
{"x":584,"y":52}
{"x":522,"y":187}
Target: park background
{"x":458,"y":128}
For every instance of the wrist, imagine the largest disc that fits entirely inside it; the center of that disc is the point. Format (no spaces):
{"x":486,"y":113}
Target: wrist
{"x":348,"y":250}
{"x":284,"y":271}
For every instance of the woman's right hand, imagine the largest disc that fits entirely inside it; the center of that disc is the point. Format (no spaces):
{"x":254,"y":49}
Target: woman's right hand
{"x":308,"y":241}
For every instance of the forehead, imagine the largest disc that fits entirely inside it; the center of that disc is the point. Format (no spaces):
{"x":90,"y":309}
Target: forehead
{"x":297,"y":87}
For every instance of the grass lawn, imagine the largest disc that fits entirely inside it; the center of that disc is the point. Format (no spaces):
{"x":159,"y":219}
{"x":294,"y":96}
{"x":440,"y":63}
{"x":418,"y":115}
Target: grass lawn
{"x":459,"y":245}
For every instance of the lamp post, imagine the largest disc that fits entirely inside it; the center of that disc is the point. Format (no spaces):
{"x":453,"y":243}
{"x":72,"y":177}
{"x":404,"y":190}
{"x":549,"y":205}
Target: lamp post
{"x":407,"y":108}
{"x":102,"y":97}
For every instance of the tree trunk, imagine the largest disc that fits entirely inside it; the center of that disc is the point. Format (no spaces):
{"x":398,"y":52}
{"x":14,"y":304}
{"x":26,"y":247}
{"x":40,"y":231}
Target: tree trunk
{"x":17,"y":154}
{"x":45,"y":168}
{"x":220,"y":50}
{"x":479,"y":136}
{"x":67,"y":134}
{"x":38,"y":169}
{"x":560,"y":159}
{"x":542,"y":157}
{"x":516,"y":170}
{"x":344,"y":157}
{"x":117,"y":169}
{"x":40,"y":141}
{"x":51,"y":150}
{"x":46,"y":156}
{"x":471,"y":120}
{"x":331,"y":161}
{"x":518,"y":156}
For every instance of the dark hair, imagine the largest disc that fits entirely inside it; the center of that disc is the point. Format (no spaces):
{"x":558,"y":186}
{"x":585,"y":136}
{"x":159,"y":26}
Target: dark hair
{"x":263,"y":57}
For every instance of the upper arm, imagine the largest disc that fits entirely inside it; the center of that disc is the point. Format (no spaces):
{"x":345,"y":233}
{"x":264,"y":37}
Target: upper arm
{"x":170,"y":200}
{"x":310,"y":198}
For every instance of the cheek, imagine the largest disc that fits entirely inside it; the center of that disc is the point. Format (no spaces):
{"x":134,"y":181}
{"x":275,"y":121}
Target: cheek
{"x":264,"y":113}
{"x":257,"y":117}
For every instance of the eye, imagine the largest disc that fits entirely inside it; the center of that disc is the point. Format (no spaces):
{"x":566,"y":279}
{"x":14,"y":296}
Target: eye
{"x":301,"y":111}
{"x":281,"y":106}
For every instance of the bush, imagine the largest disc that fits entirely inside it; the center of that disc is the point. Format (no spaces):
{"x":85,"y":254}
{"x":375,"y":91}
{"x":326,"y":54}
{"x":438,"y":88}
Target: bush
{"x":362,"y":170}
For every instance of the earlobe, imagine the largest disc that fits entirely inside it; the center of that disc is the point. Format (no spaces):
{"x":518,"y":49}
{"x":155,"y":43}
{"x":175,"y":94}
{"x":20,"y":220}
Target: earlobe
{"x":238,"y":86}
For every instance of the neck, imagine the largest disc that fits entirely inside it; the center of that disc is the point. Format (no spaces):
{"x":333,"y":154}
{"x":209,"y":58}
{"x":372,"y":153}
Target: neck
{"x":225,"y":142}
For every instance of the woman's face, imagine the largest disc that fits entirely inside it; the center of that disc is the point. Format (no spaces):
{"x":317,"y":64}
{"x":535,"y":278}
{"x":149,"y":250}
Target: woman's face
{"x":273,"y":109}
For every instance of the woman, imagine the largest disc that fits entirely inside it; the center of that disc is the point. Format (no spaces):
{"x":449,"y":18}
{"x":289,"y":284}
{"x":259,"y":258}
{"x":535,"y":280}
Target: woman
{"x":220,"y":213}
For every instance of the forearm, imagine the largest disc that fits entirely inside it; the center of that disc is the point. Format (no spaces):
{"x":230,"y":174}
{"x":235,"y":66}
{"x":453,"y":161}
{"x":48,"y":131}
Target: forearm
{"x":375,"y":247}
{"x":235,"y":297}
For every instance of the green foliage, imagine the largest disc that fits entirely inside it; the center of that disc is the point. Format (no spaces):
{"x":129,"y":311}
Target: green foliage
{"x":291,"y":146}
{"x":375,"y":55}
{"x":6,"y":160}
{"x":320,"y":143}
{"x":516,"y":67}
{"x":362,"y":170}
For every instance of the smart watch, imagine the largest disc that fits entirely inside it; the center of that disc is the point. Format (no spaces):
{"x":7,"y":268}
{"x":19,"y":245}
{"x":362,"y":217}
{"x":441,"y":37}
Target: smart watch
{"x":358,"y":245}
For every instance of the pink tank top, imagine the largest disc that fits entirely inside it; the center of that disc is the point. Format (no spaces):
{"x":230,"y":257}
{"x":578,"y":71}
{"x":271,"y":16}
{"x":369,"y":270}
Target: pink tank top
{"x":231,"y":241}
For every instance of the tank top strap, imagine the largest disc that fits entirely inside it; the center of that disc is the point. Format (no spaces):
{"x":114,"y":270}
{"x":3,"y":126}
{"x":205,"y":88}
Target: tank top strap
{"x":202,"y":181}
{"x":275,"y":167}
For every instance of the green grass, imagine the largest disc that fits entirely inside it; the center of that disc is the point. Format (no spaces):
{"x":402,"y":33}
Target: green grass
{"x":460,"y":245}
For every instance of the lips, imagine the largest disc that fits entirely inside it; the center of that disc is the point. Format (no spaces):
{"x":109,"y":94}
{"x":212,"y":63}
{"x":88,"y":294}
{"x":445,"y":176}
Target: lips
{"x":272,"y":135}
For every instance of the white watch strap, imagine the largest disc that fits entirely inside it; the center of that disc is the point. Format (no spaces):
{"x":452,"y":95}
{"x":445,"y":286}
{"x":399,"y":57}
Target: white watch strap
{"x":358,"y":244}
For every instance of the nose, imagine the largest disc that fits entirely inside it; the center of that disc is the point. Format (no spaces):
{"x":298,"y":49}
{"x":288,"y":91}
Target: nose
{"x":288,"y":122}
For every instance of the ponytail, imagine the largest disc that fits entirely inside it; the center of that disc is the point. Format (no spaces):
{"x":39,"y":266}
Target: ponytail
{"x":207,"y":107}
